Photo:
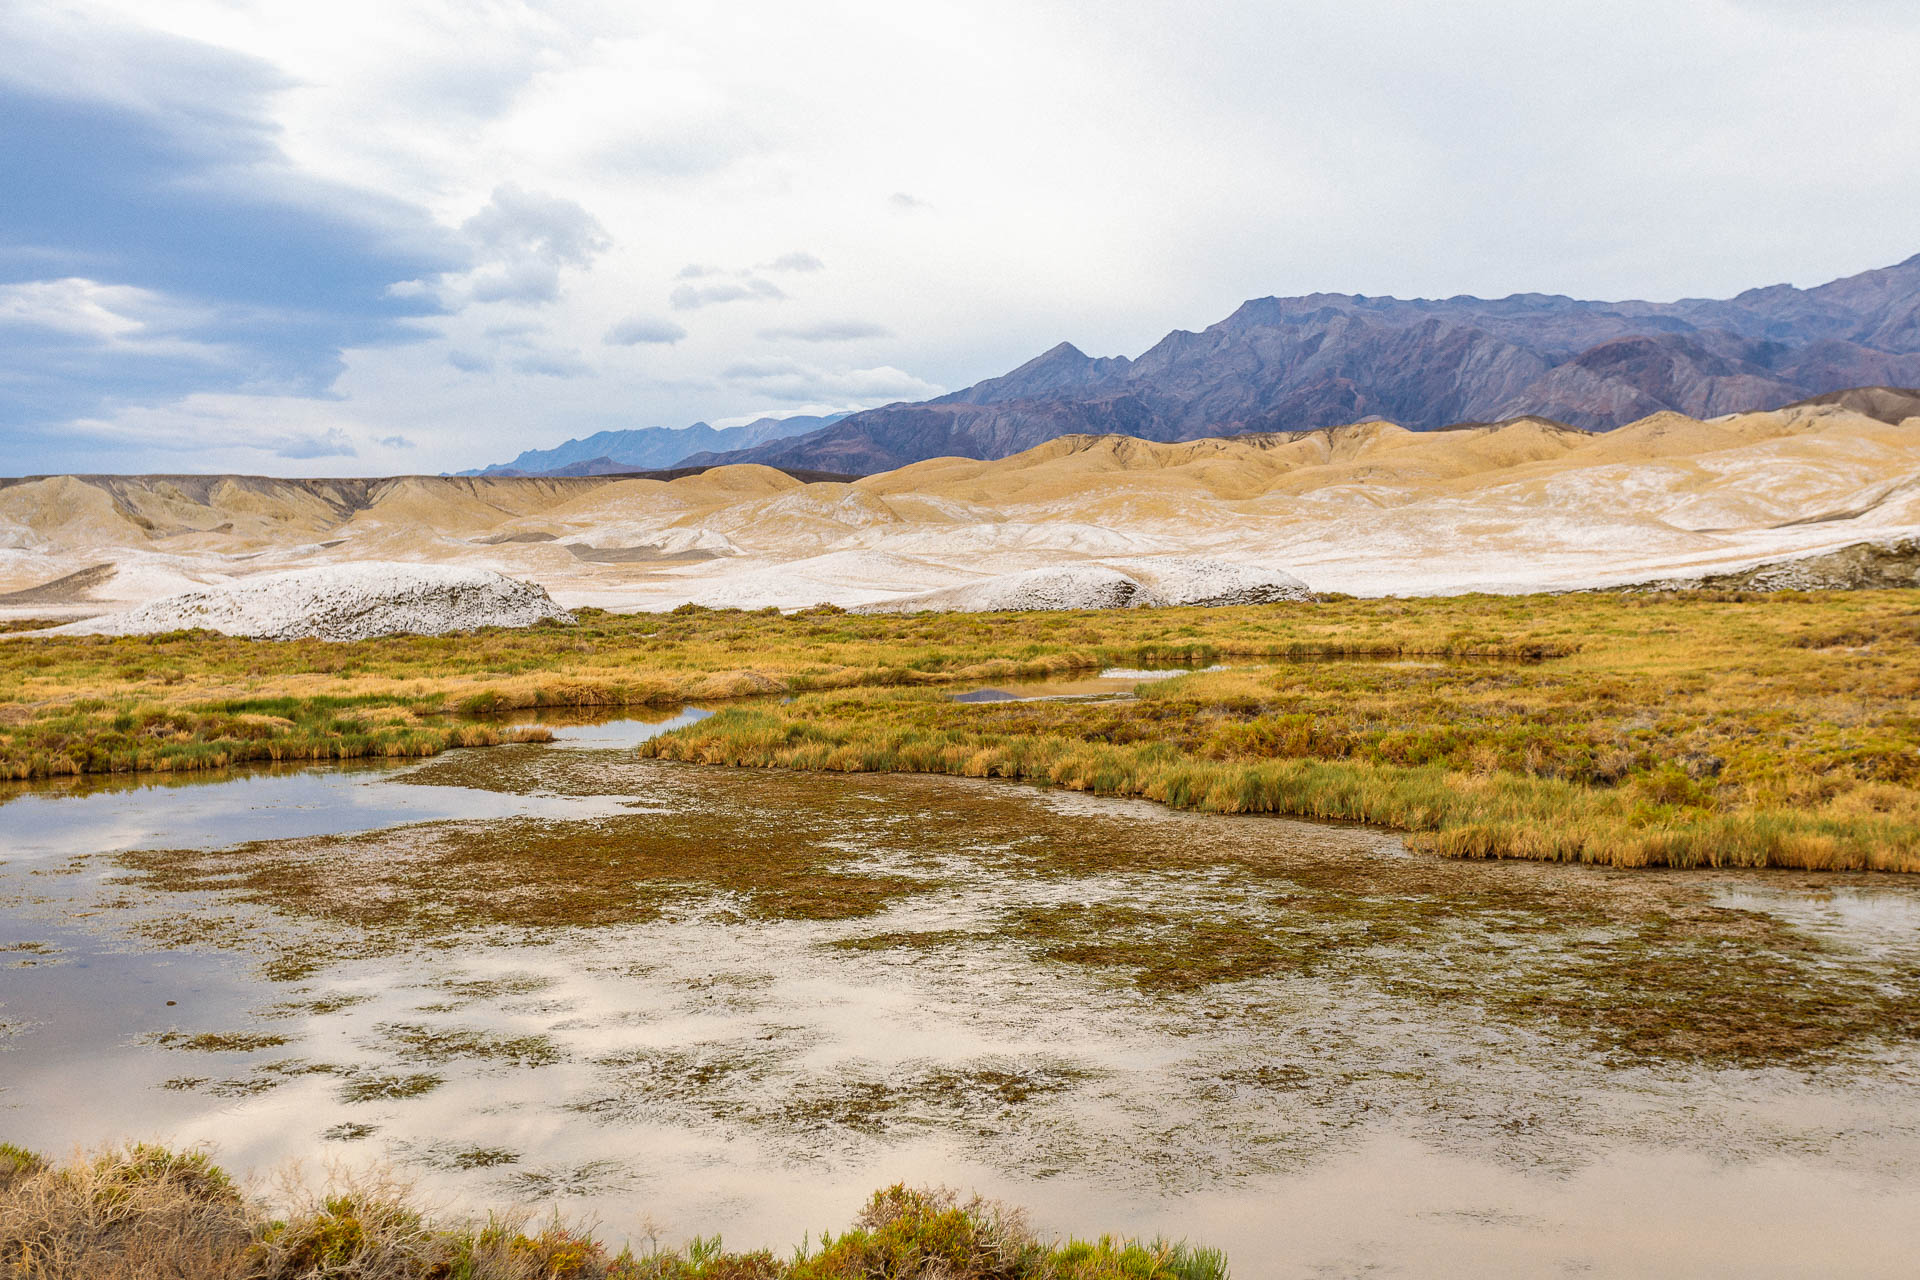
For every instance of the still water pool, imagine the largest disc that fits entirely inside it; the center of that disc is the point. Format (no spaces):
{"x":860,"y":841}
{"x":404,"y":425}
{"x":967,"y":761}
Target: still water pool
{"x":708,"y":999}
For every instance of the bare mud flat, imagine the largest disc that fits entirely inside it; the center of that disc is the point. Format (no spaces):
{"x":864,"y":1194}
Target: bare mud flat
{"x":737,"y":1001}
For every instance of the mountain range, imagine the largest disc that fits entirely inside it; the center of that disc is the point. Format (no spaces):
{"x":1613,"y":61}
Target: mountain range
{"x":649,"y":448}
{"x":1288,"y":364}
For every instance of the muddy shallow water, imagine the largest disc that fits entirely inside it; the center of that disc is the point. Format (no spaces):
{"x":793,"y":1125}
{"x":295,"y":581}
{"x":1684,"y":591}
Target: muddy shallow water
{"x":727,"y":1000}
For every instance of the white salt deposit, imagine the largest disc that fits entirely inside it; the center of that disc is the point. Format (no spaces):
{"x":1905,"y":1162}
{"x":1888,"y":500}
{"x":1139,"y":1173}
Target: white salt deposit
{"x":342,"y":602}
{"x":1196,"y":580}
{"x":1079,"y":586}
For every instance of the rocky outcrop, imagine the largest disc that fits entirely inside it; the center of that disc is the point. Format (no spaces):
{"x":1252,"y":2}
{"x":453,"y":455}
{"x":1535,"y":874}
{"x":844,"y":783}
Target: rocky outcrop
{"x":1864,"y":566}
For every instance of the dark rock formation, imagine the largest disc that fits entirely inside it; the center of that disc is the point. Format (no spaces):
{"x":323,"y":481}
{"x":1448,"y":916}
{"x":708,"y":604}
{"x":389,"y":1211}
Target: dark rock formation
{"x":1282,"y":364}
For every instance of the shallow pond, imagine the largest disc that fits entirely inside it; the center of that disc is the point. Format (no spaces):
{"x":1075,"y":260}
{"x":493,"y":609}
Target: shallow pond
{"x":738,"y":1001}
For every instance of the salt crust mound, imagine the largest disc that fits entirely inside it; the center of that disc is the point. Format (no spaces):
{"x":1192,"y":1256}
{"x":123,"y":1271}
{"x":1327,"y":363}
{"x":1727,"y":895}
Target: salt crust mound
{"x":1079,"y":586}
{"x":342,"y":602}
{"x":1168,"y":580}
{"x":1195,"y":580}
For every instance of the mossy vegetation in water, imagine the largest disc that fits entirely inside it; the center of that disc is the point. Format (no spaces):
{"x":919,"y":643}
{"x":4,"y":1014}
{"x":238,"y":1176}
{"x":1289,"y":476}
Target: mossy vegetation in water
{"x":430,"y":880}
{"x":219,"y":1041}
{"x":1178,"y":907}
{"x":385,"y":1087}
{"x":414,"y":1042}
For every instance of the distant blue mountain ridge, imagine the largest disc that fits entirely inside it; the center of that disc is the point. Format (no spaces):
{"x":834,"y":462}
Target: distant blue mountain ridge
{"x":650,"y":448}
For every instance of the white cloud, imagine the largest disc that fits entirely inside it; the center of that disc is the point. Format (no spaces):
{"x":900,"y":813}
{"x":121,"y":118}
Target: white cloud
{"x":331,"y":443}
{"x":638,"y":329}
{"x":828,"y":331}
{"x":799,"y":260}
{"x":553,"y":364}
{"x":792,"y":380}
{"x":528,"y":280}
{"x":524,"y":238}
{"x":240,"y":431}
{"x":121,"y":317}
{"x":526,"y":224}
{"x":691,"y":297}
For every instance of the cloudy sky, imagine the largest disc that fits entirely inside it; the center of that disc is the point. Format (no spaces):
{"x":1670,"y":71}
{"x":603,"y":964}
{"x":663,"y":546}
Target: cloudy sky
{"x":401,"y":235}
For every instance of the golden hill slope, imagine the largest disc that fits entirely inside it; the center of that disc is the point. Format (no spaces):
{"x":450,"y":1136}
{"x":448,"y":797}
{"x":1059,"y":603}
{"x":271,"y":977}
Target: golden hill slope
{"x":1369,"y":507}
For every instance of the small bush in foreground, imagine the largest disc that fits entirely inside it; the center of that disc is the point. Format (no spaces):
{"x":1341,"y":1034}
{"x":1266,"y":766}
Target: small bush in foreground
{"x":145,"y":1213}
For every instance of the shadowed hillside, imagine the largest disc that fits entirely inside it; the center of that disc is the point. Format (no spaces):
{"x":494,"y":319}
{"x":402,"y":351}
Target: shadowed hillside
{"x":1282,"y":364}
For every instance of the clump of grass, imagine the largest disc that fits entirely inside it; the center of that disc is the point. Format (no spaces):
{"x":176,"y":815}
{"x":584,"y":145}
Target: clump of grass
{"x":373,"y":1087}
{"x":127,"y":1213}
{"x":140,"y":1212}
{"x":219,"y":1041}
{"x":414,"y":1042}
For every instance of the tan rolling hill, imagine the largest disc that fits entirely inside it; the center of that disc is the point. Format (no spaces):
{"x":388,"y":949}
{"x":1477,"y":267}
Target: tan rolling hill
{"x":1371,"y":507}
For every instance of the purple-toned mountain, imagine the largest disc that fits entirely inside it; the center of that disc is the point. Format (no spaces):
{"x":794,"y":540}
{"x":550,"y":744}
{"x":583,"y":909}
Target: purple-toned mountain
{"x":1282,"y":364}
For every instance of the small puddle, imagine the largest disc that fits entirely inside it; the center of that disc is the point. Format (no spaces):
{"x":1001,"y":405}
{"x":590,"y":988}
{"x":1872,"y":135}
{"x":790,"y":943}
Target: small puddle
{"x":217,"y":810}
{"x":600,"y":729}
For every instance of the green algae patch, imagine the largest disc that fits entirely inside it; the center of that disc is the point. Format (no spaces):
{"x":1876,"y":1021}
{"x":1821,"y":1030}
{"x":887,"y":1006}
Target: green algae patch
{"x":415,"y":883}
{"x":218,"y":1041}
{"x":913,"y":940}
{"x":1719,"y":985}
{"x":389,"y":1087}
{"x":414,"y":1042}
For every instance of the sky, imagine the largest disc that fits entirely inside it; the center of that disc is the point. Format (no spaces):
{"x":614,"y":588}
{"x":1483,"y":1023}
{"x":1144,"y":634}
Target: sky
{"x":366,"y":238}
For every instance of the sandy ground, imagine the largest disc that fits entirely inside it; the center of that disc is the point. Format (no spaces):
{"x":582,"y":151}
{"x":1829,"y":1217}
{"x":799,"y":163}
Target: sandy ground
{"x":1370,"y":509}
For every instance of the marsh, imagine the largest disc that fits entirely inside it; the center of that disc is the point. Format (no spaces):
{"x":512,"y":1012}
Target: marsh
{"x":739,"y":1000}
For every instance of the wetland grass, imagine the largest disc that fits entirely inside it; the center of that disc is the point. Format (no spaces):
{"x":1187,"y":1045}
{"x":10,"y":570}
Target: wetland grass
{"x":1696,"y":729}
{"x":197,"y":700}
{"x":1766,"y":732}
{"x":138,"y":1212}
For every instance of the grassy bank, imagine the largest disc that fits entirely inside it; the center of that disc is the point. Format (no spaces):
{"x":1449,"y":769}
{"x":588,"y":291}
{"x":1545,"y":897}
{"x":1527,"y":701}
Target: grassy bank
{"x":145,"y":1212}
{"x":196,"y":700}
{"x":1684,"y":730}
{"x":1770,"y":731}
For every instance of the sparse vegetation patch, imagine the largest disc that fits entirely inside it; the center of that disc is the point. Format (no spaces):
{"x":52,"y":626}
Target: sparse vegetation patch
{"x":134,"y":1213}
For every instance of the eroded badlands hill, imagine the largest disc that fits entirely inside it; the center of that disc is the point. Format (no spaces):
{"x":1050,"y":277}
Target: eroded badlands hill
{"x":1365,"y":508}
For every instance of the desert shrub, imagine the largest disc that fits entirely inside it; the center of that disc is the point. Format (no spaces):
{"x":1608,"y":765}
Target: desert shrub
{"x":146,"y":1213}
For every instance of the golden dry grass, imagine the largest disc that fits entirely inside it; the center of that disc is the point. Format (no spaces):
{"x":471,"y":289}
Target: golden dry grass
{"x":1714,"y":729}
{"x":145,"y":1213}
{"x":1681,"y":731}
